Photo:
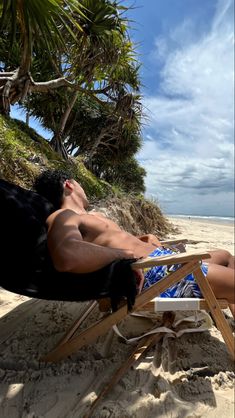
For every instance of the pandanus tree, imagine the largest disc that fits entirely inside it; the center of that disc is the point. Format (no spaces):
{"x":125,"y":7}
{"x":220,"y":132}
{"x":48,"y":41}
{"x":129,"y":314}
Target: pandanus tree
{"x":93,"y":128}
{"x":95,"y":120}
{"x":104,"y":65}
{"x":106,"y":141}
{"x":81,"y":41}
{"x":27,"y":26}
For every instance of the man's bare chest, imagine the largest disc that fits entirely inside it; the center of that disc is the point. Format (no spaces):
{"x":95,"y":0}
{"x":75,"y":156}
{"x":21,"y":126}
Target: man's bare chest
{"x":92,"y":226}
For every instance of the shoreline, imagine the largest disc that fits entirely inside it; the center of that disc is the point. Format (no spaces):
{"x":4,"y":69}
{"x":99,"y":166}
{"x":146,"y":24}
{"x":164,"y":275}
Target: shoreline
{"x":210,"y":220}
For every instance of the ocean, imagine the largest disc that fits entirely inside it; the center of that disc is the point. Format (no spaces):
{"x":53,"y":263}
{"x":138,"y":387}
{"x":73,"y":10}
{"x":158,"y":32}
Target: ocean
{"x":229,"y":220}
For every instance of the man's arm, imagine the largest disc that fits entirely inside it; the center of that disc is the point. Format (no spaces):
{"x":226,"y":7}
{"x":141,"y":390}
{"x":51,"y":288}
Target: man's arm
{"x":70,"y":253}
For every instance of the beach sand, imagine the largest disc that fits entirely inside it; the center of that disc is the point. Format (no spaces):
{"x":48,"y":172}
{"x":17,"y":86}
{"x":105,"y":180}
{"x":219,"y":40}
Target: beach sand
{"x":204,"y":234}
{"x":186,"y":377}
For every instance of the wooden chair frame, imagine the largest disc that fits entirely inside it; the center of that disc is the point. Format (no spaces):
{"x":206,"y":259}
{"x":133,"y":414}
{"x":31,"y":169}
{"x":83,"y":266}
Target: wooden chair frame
{"x":189,"y":263}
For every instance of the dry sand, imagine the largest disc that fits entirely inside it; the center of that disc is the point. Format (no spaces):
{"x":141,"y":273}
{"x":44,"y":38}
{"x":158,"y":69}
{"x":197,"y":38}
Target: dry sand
{"x":205,"y":235}
{"x":187,"y":377}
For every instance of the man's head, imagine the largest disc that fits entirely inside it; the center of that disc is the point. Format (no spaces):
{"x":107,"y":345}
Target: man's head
{"x":57,"y":185}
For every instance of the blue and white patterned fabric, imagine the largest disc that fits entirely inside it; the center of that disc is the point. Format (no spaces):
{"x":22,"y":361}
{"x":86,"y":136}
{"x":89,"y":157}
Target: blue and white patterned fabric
{"x":186,"y":288}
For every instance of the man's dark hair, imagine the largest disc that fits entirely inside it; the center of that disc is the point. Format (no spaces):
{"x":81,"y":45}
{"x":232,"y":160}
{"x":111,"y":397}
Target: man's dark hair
{"x":50,"y":184}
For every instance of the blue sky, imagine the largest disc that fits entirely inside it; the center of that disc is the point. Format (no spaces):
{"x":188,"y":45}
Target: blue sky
{"x":187,"y":52}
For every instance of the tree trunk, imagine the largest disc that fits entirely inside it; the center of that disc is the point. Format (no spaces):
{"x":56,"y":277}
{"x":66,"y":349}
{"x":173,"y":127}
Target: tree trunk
{"x":94,"y":147}
{"x":27,"y":118}
{"x":57,"y":140}
{"x":58,"y":146}
{"x":67,"y":113}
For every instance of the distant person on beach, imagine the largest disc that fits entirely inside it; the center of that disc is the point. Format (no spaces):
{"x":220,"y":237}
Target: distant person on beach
{"x":81,"y":242}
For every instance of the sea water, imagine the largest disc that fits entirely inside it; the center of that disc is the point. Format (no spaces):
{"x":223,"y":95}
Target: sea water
{"x":229,"y":220}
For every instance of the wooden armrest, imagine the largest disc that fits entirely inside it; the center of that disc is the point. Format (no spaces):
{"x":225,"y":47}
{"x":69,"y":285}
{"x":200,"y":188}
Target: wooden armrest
{"x":169,"y":259}
{"x":174,"y":241}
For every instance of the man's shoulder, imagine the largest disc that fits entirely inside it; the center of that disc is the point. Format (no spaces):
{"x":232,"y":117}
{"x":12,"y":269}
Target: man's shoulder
{"x":62,"y":215}
{"x":98,"y":214}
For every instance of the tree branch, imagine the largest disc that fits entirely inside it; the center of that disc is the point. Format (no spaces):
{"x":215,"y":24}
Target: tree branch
{"x":46,"y":86}
{"x":6,"y":91}
{"x":63,"y":82}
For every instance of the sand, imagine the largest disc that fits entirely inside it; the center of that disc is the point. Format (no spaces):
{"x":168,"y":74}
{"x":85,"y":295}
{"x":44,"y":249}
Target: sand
{"x":186,"y":377}
{"x":203,"y":234}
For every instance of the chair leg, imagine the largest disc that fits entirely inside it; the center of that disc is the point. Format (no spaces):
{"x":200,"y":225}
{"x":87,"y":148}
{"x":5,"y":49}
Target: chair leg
{"x":88,"y":309}
{"x":216,"y":312}
{"x":86,"y":312}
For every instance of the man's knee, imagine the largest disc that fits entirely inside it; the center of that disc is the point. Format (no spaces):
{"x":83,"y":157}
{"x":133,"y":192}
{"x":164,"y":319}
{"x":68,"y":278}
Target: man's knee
{"x":226,"y":254}
{"x":228,"y":258}
{"x":221,"y":257}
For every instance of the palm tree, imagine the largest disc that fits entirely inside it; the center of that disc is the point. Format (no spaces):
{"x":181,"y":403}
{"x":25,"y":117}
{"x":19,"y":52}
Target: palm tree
{"x":26,"y":25}
{"x":87,"y":53}
{"x":101,"y":47}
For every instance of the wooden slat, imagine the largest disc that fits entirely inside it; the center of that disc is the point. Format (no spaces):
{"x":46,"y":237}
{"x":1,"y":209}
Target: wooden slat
{"x":71,"y":331}
{"x":170,"y":259}
{"x":102,"y":326}
{"x":150,"y":306}
{"x":218,"y":316}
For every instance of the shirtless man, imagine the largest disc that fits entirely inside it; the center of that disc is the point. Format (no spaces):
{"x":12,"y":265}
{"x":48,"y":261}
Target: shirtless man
{"x":81,"y":242}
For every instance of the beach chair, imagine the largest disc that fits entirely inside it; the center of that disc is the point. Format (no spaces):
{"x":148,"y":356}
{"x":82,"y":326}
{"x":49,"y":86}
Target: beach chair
{"x":23,"y":214}
{"x":189,"y":262}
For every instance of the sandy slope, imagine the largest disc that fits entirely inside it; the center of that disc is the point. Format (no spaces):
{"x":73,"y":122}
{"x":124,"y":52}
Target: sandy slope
{"x":191,"y":376}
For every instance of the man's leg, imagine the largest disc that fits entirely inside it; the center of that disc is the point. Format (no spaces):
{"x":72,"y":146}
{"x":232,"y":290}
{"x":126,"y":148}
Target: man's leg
{"x":221,"y":280}
{"x":222,"y":258}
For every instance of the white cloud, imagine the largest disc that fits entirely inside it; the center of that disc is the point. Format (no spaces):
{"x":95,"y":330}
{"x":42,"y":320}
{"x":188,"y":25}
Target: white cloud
{"x":189,"y":151}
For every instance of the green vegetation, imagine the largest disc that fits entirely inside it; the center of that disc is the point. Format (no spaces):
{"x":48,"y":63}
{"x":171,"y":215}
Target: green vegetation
{"x":23,"y":153}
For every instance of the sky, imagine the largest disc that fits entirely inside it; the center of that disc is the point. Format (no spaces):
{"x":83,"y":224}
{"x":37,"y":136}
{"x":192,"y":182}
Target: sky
{"x":186,"y":48}
{"x":187,"y":52}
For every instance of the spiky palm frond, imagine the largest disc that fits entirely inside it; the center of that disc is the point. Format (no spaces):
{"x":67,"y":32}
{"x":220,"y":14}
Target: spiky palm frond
{"x":103,"y":34}
{"x":39,"y":21}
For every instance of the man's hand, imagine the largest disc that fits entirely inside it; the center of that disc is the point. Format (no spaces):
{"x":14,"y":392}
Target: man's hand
{"x":122,"y":283}
{"x":150,"y":239}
